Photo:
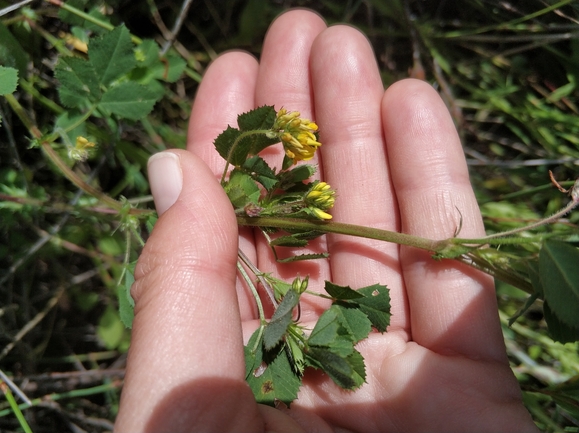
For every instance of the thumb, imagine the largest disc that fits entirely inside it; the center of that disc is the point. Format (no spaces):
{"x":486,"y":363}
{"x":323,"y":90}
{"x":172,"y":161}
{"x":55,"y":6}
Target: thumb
{"x":185,"y":370}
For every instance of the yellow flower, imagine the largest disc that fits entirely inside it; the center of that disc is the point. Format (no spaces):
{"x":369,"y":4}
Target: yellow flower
{"x":296,"y":134}
{"x":320,"y":198}
{"x":80,"y":151}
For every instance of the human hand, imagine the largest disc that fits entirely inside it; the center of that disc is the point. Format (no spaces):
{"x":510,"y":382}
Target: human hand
{"x":396,"y":162}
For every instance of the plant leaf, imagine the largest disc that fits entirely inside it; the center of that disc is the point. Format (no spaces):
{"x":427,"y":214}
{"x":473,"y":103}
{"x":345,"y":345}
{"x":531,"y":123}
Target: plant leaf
{"x":281,"y":319}
{"x":241,"y":189}
{"x":348,"y":373}
{"x":130,"y":100}
{"x":375,"y":304}
{"x":78,"y":81}
{"x":112,"y":55}
{"x":558,"y":330}
{"x":224,"y":144}
{"x":271,"y":376}
{"x":8,"y":80}
{"x":261,"y":118}
{"x":341,"y":292}
{"x":355,"y":321}
{"x":559,"y":273}
{"x":258,"y":168}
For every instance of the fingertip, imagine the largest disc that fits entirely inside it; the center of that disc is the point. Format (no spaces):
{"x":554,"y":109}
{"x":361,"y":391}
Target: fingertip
{"x":165,"y":180}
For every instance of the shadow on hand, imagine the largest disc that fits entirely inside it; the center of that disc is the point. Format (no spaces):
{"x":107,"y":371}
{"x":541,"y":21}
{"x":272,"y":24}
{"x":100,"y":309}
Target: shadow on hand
{"x":211,"y":404}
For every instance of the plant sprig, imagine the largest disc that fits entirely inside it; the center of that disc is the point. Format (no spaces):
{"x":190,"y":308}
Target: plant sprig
{"x":286,"y":202}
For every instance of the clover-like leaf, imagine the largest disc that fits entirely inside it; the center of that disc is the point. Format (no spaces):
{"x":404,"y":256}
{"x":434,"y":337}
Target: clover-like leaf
{"x":347,"y":372}
{"x":8,"y":80}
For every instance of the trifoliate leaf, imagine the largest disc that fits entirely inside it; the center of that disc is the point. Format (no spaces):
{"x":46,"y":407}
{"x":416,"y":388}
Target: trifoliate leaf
{"x":559,"y":275}
{"x":8,"y":80}
{"x":262,"y":172}
{"x":375,"y":304}
{"x":341,"y":292}
{"x":112,"y":55}
{"x":130,"y":100}
{"x":241,"y":189}
{"x":348,"y":373}
{"x":79,"y":83}
{"x":281,"y":319}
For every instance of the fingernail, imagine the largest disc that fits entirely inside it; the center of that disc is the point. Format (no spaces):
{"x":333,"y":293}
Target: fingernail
{"x":165,"y":179}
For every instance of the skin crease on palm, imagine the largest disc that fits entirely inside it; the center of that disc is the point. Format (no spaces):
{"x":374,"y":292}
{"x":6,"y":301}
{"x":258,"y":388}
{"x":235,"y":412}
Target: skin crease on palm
{"x":396,"y":162}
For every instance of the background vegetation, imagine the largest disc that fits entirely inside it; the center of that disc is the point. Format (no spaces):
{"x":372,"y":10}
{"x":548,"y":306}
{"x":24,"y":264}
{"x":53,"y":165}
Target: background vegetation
{"x":509,"y":72}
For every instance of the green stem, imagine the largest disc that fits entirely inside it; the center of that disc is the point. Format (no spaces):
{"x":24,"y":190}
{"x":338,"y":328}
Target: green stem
{"x":345,"y":229}
{"x":15,"y":408}
{"x":253,"y":292}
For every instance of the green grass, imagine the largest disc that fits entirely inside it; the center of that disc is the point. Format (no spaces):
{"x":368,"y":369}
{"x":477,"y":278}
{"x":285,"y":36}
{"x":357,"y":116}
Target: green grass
{"x":509,"y":76}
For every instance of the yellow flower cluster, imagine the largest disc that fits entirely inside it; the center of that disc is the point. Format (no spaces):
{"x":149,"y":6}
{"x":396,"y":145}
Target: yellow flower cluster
{"x":320,"y":198}
{"x":297,"y":135}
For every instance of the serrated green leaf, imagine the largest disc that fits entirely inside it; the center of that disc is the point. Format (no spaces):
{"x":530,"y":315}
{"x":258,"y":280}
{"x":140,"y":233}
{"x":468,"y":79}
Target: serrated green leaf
{"x":559,"y":273}
{"x":224,"y":144}
{"x":241,"y":189}
{"x":78,"y":81}
{"x":112,"y":55}
{"x":281,"y":319}
{"x":274,"y":380}
{"x":559,"y":330}
{"x":259,"y":118}
{"x":355,"y":321}
{"x":348,"y":373}
{"x":329,"y":331}
{"x":262,"y":172}
{"x":8,"y":80}
{"x":376,"y":305}
{"x":341,"y":292}
{"x":130,"y":100}
{"x":300,"y":257}
{"x":288,"y":241}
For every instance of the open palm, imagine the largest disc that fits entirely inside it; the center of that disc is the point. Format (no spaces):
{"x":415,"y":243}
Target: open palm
{"x":396,"y":162}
